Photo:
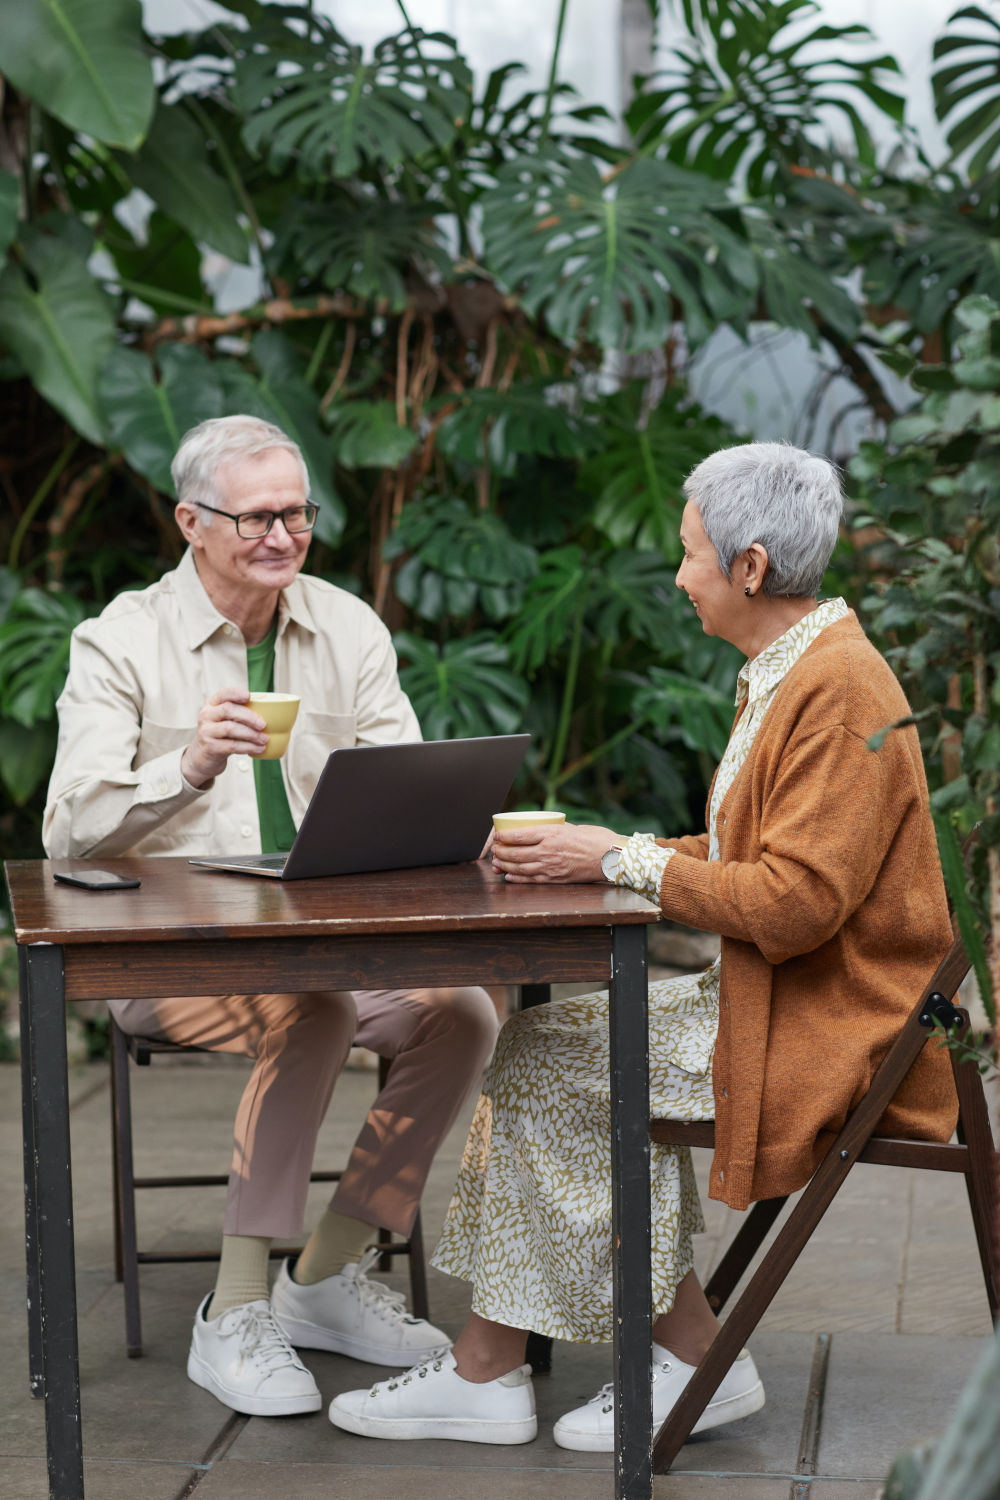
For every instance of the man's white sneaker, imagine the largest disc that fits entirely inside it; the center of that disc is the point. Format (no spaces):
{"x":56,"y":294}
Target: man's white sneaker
{"x":433,"y":1401}
{"x":246,"y":1361}
{"x":349,"y":1314}
{"x":591,"y":1428}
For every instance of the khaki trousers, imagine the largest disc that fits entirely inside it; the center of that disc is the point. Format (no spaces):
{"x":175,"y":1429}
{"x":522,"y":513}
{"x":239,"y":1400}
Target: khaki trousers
{"x":439,"y":1040}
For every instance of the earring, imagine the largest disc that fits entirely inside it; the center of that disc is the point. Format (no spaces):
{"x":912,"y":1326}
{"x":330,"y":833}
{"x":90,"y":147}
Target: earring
{"x":748,"y":593}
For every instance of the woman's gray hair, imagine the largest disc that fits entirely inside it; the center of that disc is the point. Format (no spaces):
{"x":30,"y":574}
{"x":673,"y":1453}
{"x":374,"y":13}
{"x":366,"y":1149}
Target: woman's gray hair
{"x":788,"y":500}
{"x":205,"y":447}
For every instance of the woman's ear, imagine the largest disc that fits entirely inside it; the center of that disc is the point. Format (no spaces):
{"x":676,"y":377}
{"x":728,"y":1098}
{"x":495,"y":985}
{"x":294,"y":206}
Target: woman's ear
{"x":753,"y":566}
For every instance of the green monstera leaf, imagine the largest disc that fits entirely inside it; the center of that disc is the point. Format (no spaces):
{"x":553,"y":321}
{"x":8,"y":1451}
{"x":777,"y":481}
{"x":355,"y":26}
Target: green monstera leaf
{"x":604,"y":258}
{"x":970,"y":88}
{"x":462,"y":688}
{"x":637,"y":475}
{"x":367,"y":435}
{"x":748,"y":88}
{"x":505,"y":426}
{"x":34,"y":653}
{"x":60,"y":325}
{"x":313,"y":98}
{"x":172,"y":166}
{"x":149,"y":405}
{"x":10,"y":196}
{"x":364,"y":248}
{"x":460,"y":559}
{"x":88,"y":64}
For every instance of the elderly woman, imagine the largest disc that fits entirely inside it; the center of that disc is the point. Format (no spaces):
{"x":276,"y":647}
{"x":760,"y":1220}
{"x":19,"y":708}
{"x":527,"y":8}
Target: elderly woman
{"x":819,"y":868}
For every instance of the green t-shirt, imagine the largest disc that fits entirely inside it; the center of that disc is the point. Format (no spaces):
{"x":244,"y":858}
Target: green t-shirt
{"x":277,"y":828}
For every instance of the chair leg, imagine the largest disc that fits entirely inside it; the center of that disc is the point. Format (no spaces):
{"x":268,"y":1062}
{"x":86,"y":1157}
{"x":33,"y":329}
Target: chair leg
{"x":981,"y":1178}
{"x":126,"y":1241}
{"x":726,"y":1276}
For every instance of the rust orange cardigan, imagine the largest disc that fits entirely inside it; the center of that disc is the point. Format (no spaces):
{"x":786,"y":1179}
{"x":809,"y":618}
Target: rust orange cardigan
{"x":830,"y":902}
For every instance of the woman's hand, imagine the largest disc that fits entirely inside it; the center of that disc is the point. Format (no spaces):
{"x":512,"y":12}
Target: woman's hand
{"x":566,"y":853}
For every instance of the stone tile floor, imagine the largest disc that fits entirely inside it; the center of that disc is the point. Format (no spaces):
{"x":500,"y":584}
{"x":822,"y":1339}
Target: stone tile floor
{"x":889,"y":1288}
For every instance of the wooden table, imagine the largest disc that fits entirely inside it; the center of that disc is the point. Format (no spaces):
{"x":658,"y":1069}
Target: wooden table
{"x":187,"y":931}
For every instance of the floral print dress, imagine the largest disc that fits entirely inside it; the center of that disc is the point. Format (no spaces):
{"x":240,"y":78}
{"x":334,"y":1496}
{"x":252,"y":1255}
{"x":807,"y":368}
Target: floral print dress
{"x":529,"y":1223}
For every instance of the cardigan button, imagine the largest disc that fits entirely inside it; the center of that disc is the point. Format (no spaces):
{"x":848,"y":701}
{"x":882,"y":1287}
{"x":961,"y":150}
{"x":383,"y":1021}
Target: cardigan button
{"x":725,"y":1093}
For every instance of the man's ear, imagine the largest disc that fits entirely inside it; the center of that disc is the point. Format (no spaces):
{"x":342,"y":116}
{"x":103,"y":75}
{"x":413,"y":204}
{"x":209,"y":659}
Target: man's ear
{"x":187,"y":520}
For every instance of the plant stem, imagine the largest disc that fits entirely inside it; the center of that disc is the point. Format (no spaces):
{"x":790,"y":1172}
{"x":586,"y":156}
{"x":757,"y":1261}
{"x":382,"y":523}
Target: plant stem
{"x":38,"y":499}
{"x":319,"y":351}
{"x":583,"y":761}
{"x":446,"y":151}
{"x":235,"y":180}
{"x":550,"y":90}
{"x":566,"y":709}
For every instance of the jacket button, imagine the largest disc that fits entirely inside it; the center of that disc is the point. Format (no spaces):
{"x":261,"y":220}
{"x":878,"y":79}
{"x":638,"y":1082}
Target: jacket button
{"x":247,"y":831}
{"x":244,"y":763}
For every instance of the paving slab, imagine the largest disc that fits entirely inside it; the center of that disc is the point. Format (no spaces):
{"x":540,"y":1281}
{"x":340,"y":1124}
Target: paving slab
{"x":26,"y":1479}
{"x":884,"y":1395}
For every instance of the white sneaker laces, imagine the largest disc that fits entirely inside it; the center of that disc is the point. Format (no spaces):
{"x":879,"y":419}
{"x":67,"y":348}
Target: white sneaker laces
{"x":378,"y":1298}
{"x":261,"y":1340}
{"x":433,"y":1362}
{"x":606,"y":1394}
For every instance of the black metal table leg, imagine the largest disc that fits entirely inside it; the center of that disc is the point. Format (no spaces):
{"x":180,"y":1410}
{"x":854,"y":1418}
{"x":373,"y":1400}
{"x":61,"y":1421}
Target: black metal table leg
{"x":631,"y":1229}
{"x":538,"y":1352}
{"x":44,"y":1008}
{"x":30,"y":1195}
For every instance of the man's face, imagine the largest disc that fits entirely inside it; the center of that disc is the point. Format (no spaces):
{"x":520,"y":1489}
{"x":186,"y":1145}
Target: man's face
{"x":227,"y":562}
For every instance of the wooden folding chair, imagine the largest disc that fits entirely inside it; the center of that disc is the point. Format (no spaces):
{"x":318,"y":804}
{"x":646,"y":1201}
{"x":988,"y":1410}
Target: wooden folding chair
{"x":973,"y":1155}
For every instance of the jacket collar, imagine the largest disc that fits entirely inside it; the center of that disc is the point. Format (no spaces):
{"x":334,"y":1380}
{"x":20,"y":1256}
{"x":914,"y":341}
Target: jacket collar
{"x":200,"y":618}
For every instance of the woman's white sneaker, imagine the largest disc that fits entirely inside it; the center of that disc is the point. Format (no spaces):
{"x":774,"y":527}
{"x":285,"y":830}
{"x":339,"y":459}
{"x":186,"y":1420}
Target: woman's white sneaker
{"x":246,"y":1361}
{"x":591,"y":1428}
{"x":350,"y":1314}
{"x":433,"y":1401}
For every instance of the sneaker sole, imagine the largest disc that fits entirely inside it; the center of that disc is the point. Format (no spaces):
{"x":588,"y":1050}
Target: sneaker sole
{"x":250,"y":1406}
{"x":304,"y":1335}
{"x":730,"y":1410}
{"x":457,"y":1429}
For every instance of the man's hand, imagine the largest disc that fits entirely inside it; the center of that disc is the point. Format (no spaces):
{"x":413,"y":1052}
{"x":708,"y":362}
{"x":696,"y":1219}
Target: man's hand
{"x":566,"y":853}
{"x":226,"y":726}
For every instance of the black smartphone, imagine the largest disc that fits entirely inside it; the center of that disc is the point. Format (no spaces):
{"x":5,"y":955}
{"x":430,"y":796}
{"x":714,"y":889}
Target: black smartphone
{"x":96,"y":880}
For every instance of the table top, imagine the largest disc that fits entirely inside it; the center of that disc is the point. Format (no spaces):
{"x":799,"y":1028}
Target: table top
{"x":177,"y":901}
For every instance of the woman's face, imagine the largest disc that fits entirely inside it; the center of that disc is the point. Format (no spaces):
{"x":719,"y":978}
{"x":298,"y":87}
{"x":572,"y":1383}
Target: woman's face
{"x":715,"y":598}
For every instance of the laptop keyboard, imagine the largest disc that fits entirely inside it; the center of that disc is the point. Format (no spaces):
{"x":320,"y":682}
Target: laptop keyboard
{"x":273,"y":861}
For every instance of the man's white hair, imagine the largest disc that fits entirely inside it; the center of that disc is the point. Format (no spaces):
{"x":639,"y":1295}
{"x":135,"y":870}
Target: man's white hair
{"x":205,"y":447}
{"x":788,"y":500}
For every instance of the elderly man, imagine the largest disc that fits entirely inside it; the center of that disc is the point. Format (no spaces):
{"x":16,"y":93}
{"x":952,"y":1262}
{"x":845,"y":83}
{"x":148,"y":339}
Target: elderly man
{"x":158,"y":754}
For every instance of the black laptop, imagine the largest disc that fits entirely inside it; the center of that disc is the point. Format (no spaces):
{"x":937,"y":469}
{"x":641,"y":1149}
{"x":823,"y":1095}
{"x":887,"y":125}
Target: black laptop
{"x":392,"y":807}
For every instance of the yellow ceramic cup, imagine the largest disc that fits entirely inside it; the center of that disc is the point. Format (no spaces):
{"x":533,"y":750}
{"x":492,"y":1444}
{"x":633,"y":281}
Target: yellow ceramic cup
{"x":528,"y":819}
{"x":279,"y":711}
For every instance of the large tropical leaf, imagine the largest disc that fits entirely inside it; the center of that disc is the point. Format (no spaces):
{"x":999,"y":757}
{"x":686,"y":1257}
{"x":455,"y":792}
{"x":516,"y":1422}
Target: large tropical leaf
{"x":34,"y":653}
{"x":743,"y":91}
{"x":162,"y":269}
{"x":367,"y":435}
{"x":313,"y":98}
{"x":970,"y":87}
{"x":460,"y":558}
{"x":633,"y":595}
{"x":364,"y":247}
{"x":463,"y":688}
{"x":84,"y":61}
{"x":149,"y":406}
{"x":636,"y":477}
{"x":172,"y":166}
{"x":281,"y":394}
{"x":10,"y":197}
{"x":688,"y":708}
{"x":505,"y":426}
{"x":553,"y":600}
{"x":604,"y":258}
{"x":60,"y":324}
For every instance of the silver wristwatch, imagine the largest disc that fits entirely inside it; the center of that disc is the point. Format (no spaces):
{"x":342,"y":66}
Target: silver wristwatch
{"x":611,"y":862}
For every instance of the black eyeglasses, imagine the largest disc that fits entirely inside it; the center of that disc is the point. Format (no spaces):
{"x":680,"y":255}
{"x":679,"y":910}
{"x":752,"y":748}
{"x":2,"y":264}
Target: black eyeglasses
{"x":252,"y":524}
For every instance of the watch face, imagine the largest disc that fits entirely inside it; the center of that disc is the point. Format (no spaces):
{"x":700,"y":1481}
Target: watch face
{"x":610,"y":862}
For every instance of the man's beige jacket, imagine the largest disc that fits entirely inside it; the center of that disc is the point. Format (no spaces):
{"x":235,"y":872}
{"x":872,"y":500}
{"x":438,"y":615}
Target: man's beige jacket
{"x":140,"y":672}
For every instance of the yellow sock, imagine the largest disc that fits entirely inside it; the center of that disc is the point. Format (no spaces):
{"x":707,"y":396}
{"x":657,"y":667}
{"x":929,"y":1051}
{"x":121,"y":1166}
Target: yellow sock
{"x":334,"y":1242}
{"x":242,"y":1272}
